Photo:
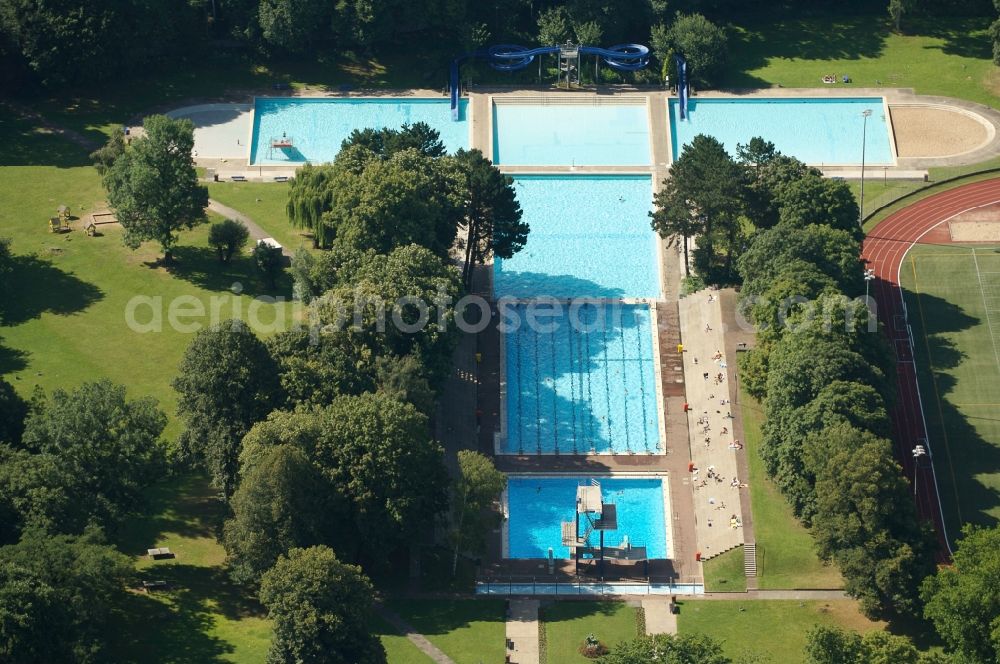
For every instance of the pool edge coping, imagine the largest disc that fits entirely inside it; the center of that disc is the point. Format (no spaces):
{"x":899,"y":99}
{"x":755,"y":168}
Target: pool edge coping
{"x":662,"y":475}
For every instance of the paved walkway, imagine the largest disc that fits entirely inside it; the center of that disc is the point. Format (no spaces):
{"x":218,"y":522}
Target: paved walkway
{"x":659,"y":619}
{"x":256,"y":232}
{"x":522,"y":631}
{"x":717,"y":502}
{"x":774,"y":595}
{"x":417,"y":639}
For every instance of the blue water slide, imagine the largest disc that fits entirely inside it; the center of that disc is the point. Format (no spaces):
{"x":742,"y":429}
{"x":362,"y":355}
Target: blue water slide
{"x":512,"y":57}
{"x":623,"y":57}
{"x":682,"y":84}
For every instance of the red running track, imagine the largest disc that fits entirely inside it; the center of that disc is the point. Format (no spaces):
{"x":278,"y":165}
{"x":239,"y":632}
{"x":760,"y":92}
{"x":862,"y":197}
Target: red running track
{"x":884,"y":249}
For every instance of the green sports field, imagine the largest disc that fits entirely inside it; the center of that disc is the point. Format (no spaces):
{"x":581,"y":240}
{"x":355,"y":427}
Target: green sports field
{"x":953,"y":303}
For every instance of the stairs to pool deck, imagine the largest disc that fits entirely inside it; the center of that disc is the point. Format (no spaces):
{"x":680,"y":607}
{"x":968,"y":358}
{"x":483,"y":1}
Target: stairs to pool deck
{"x":671,"y":361}
{"x":750,"y":560}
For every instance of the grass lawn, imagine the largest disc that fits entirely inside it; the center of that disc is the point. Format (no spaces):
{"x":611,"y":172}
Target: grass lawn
{"x":469,"y":631}
{"x":953,"y":299}
{"x":204,"y":617}
{"x":936,"y":56}
{"x":785,"y":554}
{"x":774,"y":630}
{"x":65,"y":321}
{"x":398,"y":648}
{"x":724,"y":574}
{"x":264,"y":202}
{"x":567,"y":624}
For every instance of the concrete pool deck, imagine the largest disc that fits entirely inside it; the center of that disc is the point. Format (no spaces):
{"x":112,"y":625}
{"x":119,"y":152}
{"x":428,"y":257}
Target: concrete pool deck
{"x":221,"y":146}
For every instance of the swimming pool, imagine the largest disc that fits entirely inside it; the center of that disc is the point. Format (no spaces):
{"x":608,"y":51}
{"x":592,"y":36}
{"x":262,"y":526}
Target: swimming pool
{"x":537,"y":506}
{"x":571,"y":134}
{"x":586,"y":385}
{"x":590,"y":237}
{"x":317,"y":127}
{"x":824,"y":131}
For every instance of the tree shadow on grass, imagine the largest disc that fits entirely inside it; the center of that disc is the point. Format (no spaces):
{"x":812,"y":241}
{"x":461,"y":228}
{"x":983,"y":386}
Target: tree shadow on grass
{"x":170,"y":626}
{"x":11,"y":359}
{"x":37,"y":286}
{"x":575,"y":610}
{"x":185,"y":506}
{"x":961,"y":456}
{"x":24,"y":144}
{"x":823,"y":36}
{"x":201,"y":267}
{"x":436,"y":617}
{"x":959,"y":35}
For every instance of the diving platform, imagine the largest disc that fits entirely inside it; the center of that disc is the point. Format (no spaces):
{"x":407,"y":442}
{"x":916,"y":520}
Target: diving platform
{"x":595,"y":515}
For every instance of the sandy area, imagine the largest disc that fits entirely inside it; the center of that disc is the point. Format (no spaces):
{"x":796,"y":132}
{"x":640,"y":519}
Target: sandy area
{"x":975,"y":231}
{"x":934,"y":132}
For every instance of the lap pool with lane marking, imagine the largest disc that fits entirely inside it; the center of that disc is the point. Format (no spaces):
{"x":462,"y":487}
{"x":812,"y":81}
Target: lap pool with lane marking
{"x":586,"y":386}
{"x":590,"y":237}
{"x":538,"y":505}
{"x":317,"y":126}
{"x":818,"y":131}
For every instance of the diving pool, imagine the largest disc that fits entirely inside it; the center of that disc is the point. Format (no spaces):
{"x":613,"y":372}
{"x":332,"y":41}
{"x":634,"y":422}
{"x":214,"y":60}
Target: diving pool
{"x":571,"y":134}
{"x":590,"y":237}
{"x":824,"y":131}
{"x":584,"y":384}
{"x":317,"y":127}
{"x":537,"y":506}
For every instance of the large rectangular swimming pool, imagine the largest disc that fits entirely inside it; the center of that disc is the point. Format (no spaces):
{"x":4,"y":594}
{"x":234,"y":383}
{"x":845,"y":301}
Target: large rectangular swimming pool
{"x":581,"y":381}
{"x":537,"y":506}
{"x":317,"y":127}
{"x":819,"y":132}
{"x":590,"y":237}
{"x":571,"y":134}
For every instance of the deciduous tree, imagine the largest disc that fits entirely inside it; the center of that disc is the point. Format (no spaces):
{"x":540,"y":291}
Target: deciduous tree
{"x":703,"y":44}
{"x":153,"y":186}
{"x":228,"y":237}
{"x":668,"y":649}
{"x":478,"y":485}
{"x":963,"y":601}
{"x":322,"y":610}
{"x":95,"y":452}
{"x":227,"y":381}
{"x":56,"y":597}
{"x":813,"y":199}
{"x":282,"y":503}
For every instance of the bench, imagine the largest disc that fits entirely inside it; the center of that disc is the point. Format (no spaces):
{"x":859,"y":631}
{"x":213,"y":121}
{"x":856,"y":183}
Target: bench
{"x":160,"y":554}
{"x":238,"y":178}
{"x":281,"y":178}
{"x":150,"y":586}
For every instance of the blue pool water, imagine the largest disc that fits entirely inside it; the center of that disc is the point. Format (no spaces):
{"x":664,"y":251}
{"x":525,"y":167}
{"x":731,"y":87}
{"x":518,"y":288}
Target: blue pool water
{"x":590,"y":237}
{"x":816,"y":131}
{"x":538,"y":506}
{"x":585,"y":385}
{"x":318,"y":126}
{"x":567,"y":134}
